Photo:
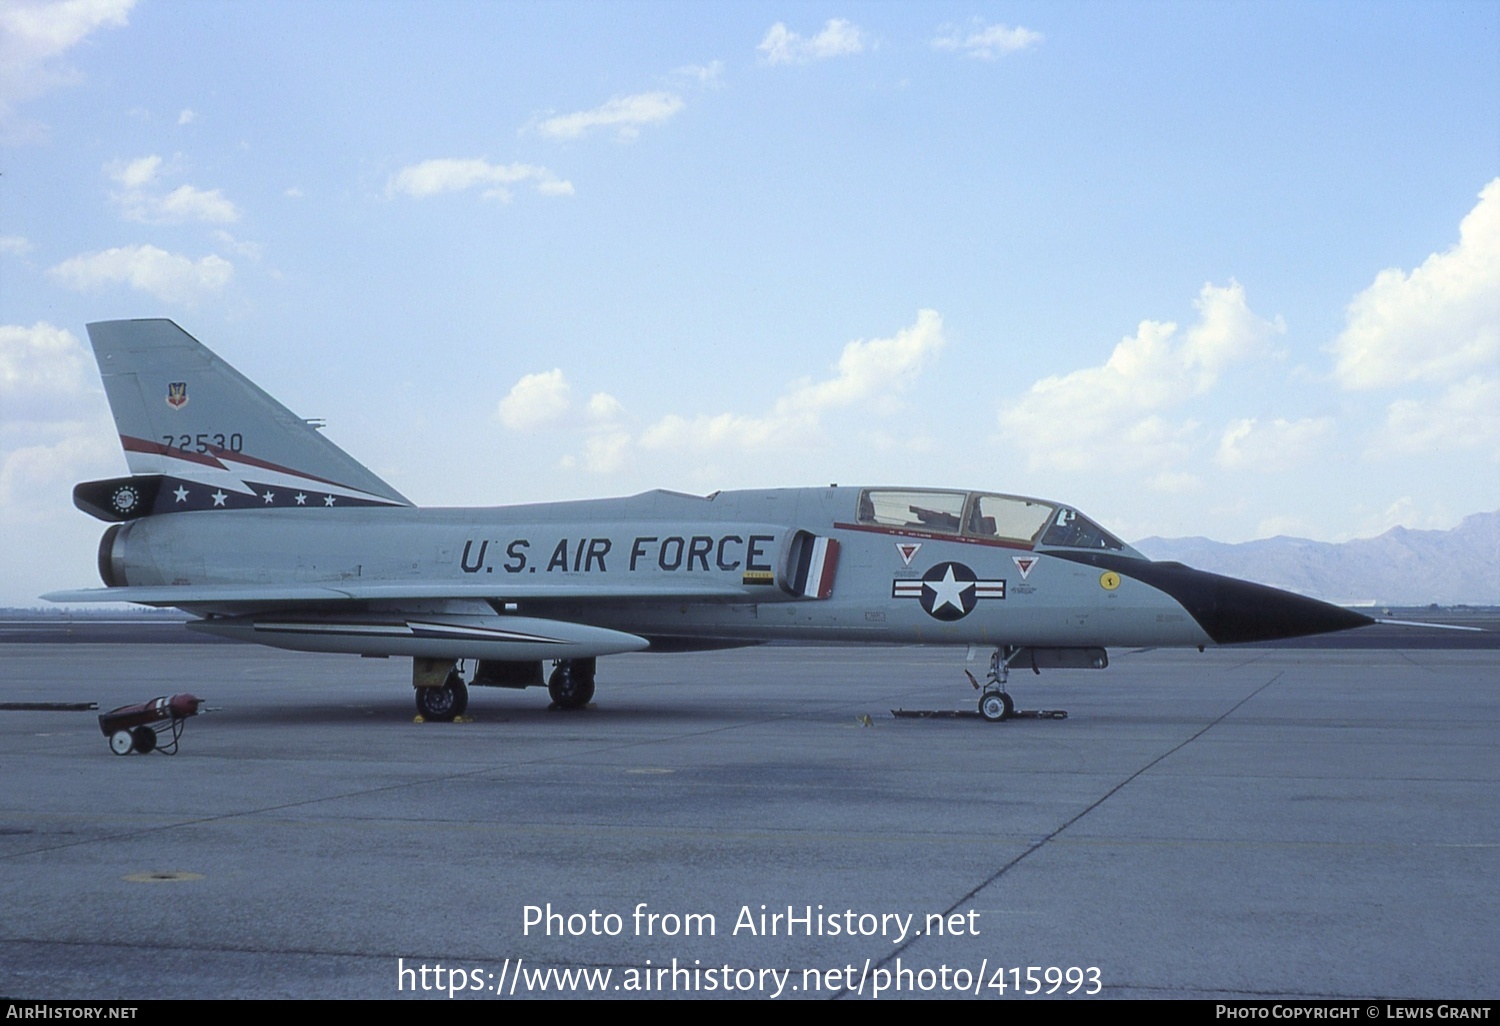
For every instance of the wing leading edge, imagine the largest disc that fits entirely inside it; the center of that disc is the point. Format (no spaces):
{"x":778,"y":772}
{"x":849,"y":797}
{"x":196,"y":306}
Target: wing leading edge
{"x":187,"y":596}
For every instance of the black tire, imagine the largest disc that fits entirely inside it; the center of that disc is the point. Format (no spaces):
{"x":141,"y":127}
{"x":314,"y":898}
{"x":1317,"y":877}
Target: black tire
{"x":442,"y":704}
{"x":571,"y":685}
{"x":144,"y":738}
{"x":460,"y":694}
{"x":996,"y":706}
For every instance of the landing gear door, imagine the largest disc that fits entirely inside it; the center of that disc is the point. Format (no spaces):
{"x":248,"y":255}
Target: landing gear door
{"x":808,"y":565}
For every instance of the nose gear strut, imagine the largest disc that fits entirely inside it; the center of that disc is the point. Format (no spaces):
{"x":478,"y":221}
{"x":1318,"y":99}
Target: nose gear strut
{"x":995,"y":703}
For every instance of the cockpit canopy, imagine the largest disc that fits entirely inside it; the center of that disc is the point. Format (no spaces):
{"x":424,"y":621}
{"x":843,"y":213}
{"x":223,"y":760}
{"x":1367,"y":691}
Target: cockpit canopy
{"x":1007,"y":519}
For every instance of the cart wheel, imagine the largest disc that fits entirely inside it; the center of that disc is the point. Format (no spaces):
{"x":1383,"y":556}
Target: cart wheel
{"x":121,"y":743}
{"x":145,"y":739}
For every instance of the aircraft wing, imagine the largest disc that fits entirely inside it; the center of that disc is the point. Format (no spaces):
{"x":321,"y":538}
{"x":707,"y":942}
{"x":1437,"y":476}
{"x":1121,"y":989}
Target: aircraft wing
{"x":335,"y":618}
{"x":185,"y":595}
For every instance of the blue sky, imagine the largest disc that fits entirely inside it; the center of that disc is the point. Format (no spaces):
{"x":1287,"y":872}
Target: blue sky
{"x":1222,"y":269}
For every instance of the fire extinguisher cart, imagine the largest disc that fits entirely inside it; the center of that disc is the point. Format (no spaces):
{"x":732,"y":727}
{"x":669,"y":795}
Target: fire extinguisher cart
{"x":139,"y":728}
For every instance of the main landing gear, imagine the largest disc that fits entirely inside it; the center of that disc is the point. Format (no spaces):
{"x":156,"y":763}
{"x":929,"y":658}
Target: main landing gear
{"x":442,"y":696}
{"x":571,"y":685}
{"x":445,"y":702}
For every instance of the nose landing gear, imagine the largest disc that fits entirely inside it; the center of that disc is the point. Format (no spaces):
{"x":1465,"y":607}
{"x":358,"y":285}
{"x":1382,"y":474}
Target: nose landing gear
{"x":995,"y":703}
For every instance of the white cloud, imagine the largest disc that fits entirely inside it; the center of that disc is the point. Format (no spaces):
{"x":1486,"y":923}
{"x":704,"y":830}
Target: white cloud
{"x":605,"y":407}
{"x":1465,"y":416}
{"x":36,"y":482}
{"x":728,"y":430}
{"x":1176,"y":482}
{"x":1423,"y":512}
{"x":607,"y":442}
{"x":625,"y":113}
{"x":432,"y":177}
{"x":1110,"y":414}
{"x":870,"y":368}
{"x":710,"y":75}
{"x":536,"y":399}
{"x":186,"y":117}
{"x":1435,"y":324}
{"x":40,"y":362}
{"x":986,"y":42}
{"x":607,"y":447}
{"x":54,"y":432}
{"x":52,"y":468}
{"x":783,"y":46}
{"x":134,"y":174}
{"x":183,"y":204}
{"x":35,"y":35}
{"x":36,"y":32}
{"x":14,"y":245}
{"x":607,"y":451}
{"x":870,"y":373}
{"x":867,"y":370}
{"x":1251,"y":445}
{"x":167,"y":276}
{"x":250,"y":250}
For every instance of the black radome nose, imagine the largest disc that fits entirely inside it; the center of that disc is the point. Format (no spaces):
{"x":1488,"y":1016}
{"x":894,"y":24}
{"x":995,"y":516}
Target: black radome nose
{"x":1234,"y":611}
{"x":1229,"y":610}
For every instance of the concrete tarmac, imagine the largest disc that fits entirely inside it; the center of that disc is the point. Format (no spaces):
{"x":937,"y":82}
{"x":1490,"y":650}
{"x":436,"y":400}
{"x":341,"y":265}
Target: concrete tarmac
{"x":1238,"y":824}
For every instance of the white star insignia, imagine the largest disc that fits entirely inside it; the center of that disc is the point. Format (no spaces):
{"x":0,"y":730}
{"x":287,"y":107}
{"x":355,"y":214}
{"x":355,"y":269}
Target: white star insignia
{"x":219,"y":497}
{"x":328,"y":500}
{"x":949,"y":591}
{"x":181,"y":493}
{"x":302,"y":498}
{"x":269,"y":497}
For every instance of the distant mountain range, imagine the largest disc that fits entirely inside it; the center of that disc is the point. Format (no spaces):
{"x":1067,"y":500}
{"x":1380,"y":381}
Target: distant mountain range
{"x":1404,"y":567}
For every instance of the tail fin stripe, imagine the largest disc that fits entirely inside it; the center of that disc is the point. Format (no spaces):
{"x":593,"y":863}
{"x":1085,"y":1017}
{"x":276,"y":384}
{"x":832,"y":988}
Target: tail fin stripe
{"x":221,"y":459}
{"x":251,"y":461}
{"x":207,"y":459}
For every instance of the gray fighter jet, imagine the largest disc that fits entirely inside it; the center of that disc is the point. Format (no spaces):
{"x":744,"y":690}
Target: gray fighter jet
{"x":243,"y":515}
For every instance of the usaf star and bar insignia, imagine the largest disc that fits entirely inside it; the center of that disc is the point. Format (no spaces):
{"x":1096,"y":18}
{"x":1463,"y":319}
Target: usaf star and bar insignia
{"x":948,"y":591}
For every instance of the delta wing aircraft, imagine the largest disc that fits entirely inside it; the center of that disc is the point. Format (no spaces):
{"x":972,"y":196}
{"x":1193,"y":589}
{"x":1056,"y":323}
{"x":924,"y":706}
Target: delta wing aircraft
{"x":245,"y":516}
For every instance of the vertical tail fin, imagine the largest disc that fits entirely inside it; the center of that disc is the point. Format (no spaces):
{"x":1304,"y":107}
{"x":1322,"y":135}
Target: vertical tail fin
{"x":213,"y":437}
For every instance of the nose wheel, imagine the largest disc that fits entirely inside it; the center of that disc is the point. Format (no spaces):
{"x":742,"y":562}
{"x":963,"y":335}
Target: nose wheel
{"x":996,"y":706}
